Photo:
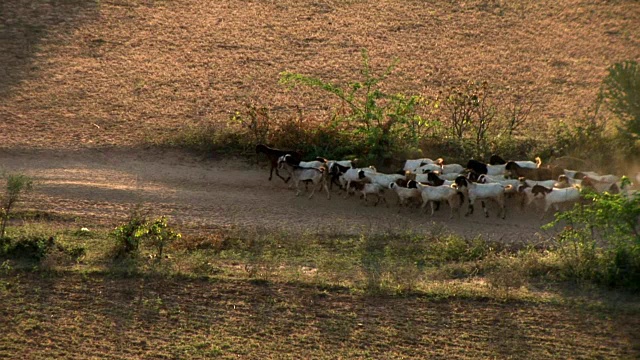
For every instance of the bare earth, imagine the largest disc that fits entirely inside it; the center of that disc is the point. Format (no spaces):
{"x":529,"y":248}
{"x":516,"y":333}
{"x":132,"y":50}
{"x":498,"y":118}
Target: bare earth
{"x":101,"y":186}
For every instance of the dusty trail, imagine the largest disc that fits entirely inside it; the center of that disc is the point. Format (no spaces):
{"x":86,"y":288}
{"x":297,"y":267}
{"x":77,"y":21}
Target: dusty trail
{"x":103,"y":185}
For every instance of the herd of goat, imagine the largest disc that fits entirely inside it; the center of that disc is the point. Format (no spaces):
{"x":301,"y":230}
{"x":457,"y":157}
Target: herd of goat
{"x":431,"y":182}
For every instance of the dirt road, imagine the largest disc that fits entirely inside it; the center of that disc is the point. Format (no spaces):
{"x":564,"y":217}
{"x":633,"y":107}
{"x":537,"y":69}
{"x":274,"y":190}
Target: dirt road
{"x":101,"y":186}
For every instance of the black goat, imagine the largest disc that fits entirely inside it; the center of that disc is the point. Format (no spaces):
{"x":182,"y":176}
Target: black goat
{"x":496,"y":160}
{"x":273,"y":155}
{"x":477,"y":167}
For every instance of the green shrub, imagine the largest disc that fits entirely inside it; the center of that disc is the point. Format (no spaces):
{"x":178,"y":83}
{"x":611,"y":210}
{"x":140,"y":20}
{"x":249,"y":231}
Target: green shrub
{"x":379,"y":124}
{"x":37,"y":247}
{"x":17,"y":185}
{"x":138,"y":229}
{"x":34,"y":247}
{"x":450,"y":248}
{"x":601,"y":242}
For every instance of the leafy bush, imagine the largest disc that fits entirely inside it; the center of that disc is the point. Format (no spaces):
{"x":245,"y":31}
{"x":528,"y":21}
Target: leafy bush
{"x":379,"y":128}
{"x":380,"y":123}
{"x":592,"y":135}
{"x":37,"y":247}
{"x":31,"y":247}
{"x":601,"y":242}
{"x":138,"y":229}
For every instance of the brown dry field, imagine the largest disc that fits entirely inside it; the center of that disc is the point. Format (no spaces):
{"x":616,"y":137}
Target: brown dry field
{"x":83,"y":84}
{"x":77,"y":74}
{"x":76,"y":316}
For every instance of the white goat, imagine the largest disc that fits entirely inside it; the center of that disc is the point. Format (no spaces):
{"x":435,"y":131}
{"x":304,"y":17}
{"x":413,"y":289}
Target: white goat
{"x":491,"y":178}
{"x":605,"y":178}
{"x":565,"y":182}
{"x":344,"y":163}
{"x":318,"y":176}
{"x":600,"y":186}
{"x":287,"y":162}
{"x":405,"y":194}
{"x":427,"y":168}
{"x":431,"y":194}
{"x":354,"y":175}
{"x":413,"y":164}
{"x":373,"y":189}
{"x":449,"y":177}
{"x":452,"y":169}
{"x":545,"y":183}
{"x":423,"y":178}
{"x":475,"y":191}
{"x":383,"y":179}
{"x":510,"y":185}
{"x":501,"y":169}
{"x":554,"y":197}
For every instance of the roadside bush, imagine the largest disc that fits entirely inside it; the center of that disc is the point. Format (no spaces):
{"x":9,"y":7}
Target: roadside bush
{"x":17,"y":185}
{"x":30,"y":247}
{"x":139,"y":229}
{"x":586,"y":138}
{"x":601,"y":242}
{"x":381,"y":124}
{"x":37,"y":247}
{"x":474,"y":120}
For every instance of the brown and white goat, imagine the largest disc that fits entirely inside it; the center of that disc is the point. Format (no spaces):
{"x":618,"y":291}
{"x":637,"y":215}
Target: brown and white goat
{"x":537,"y":174}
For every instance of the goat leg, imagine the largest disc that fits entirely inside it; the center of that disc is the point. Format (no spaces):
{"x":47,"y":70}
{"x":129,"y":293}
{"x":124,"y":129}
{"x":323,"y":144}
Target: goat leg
{"x":328,"y":193}
{"x":484,"y":209}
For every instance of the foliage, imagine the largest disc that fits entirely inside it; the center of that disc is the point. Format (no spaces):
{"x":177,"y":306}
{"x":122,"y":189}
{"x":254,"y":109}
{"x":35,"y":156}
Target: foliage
{"x":587,"y":137}
{"x":17,"y":185}
{"x":36,"y":247}
{"x":383,"y":123}
{"x":129,"y":235}
{"x":160,"y":234}
{"x":138,"y":229}
{"x":31,"y":247}
{"x":375,"y":126}
{"x":601,"y":241}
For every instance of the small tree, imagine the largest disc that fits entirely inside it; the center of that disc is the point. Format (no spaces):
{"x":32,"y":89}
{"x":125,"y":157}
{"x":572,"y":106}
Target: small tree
{"x":383,"y":123}
{"x":161,"y":234}
{"x":17,"y":184}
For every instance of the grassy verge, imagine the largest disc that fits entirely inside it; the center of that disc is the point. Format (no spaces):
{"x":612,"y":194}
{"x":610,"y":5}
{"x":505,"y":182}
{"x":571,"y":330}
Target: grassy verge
{"x":253,"y":293}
